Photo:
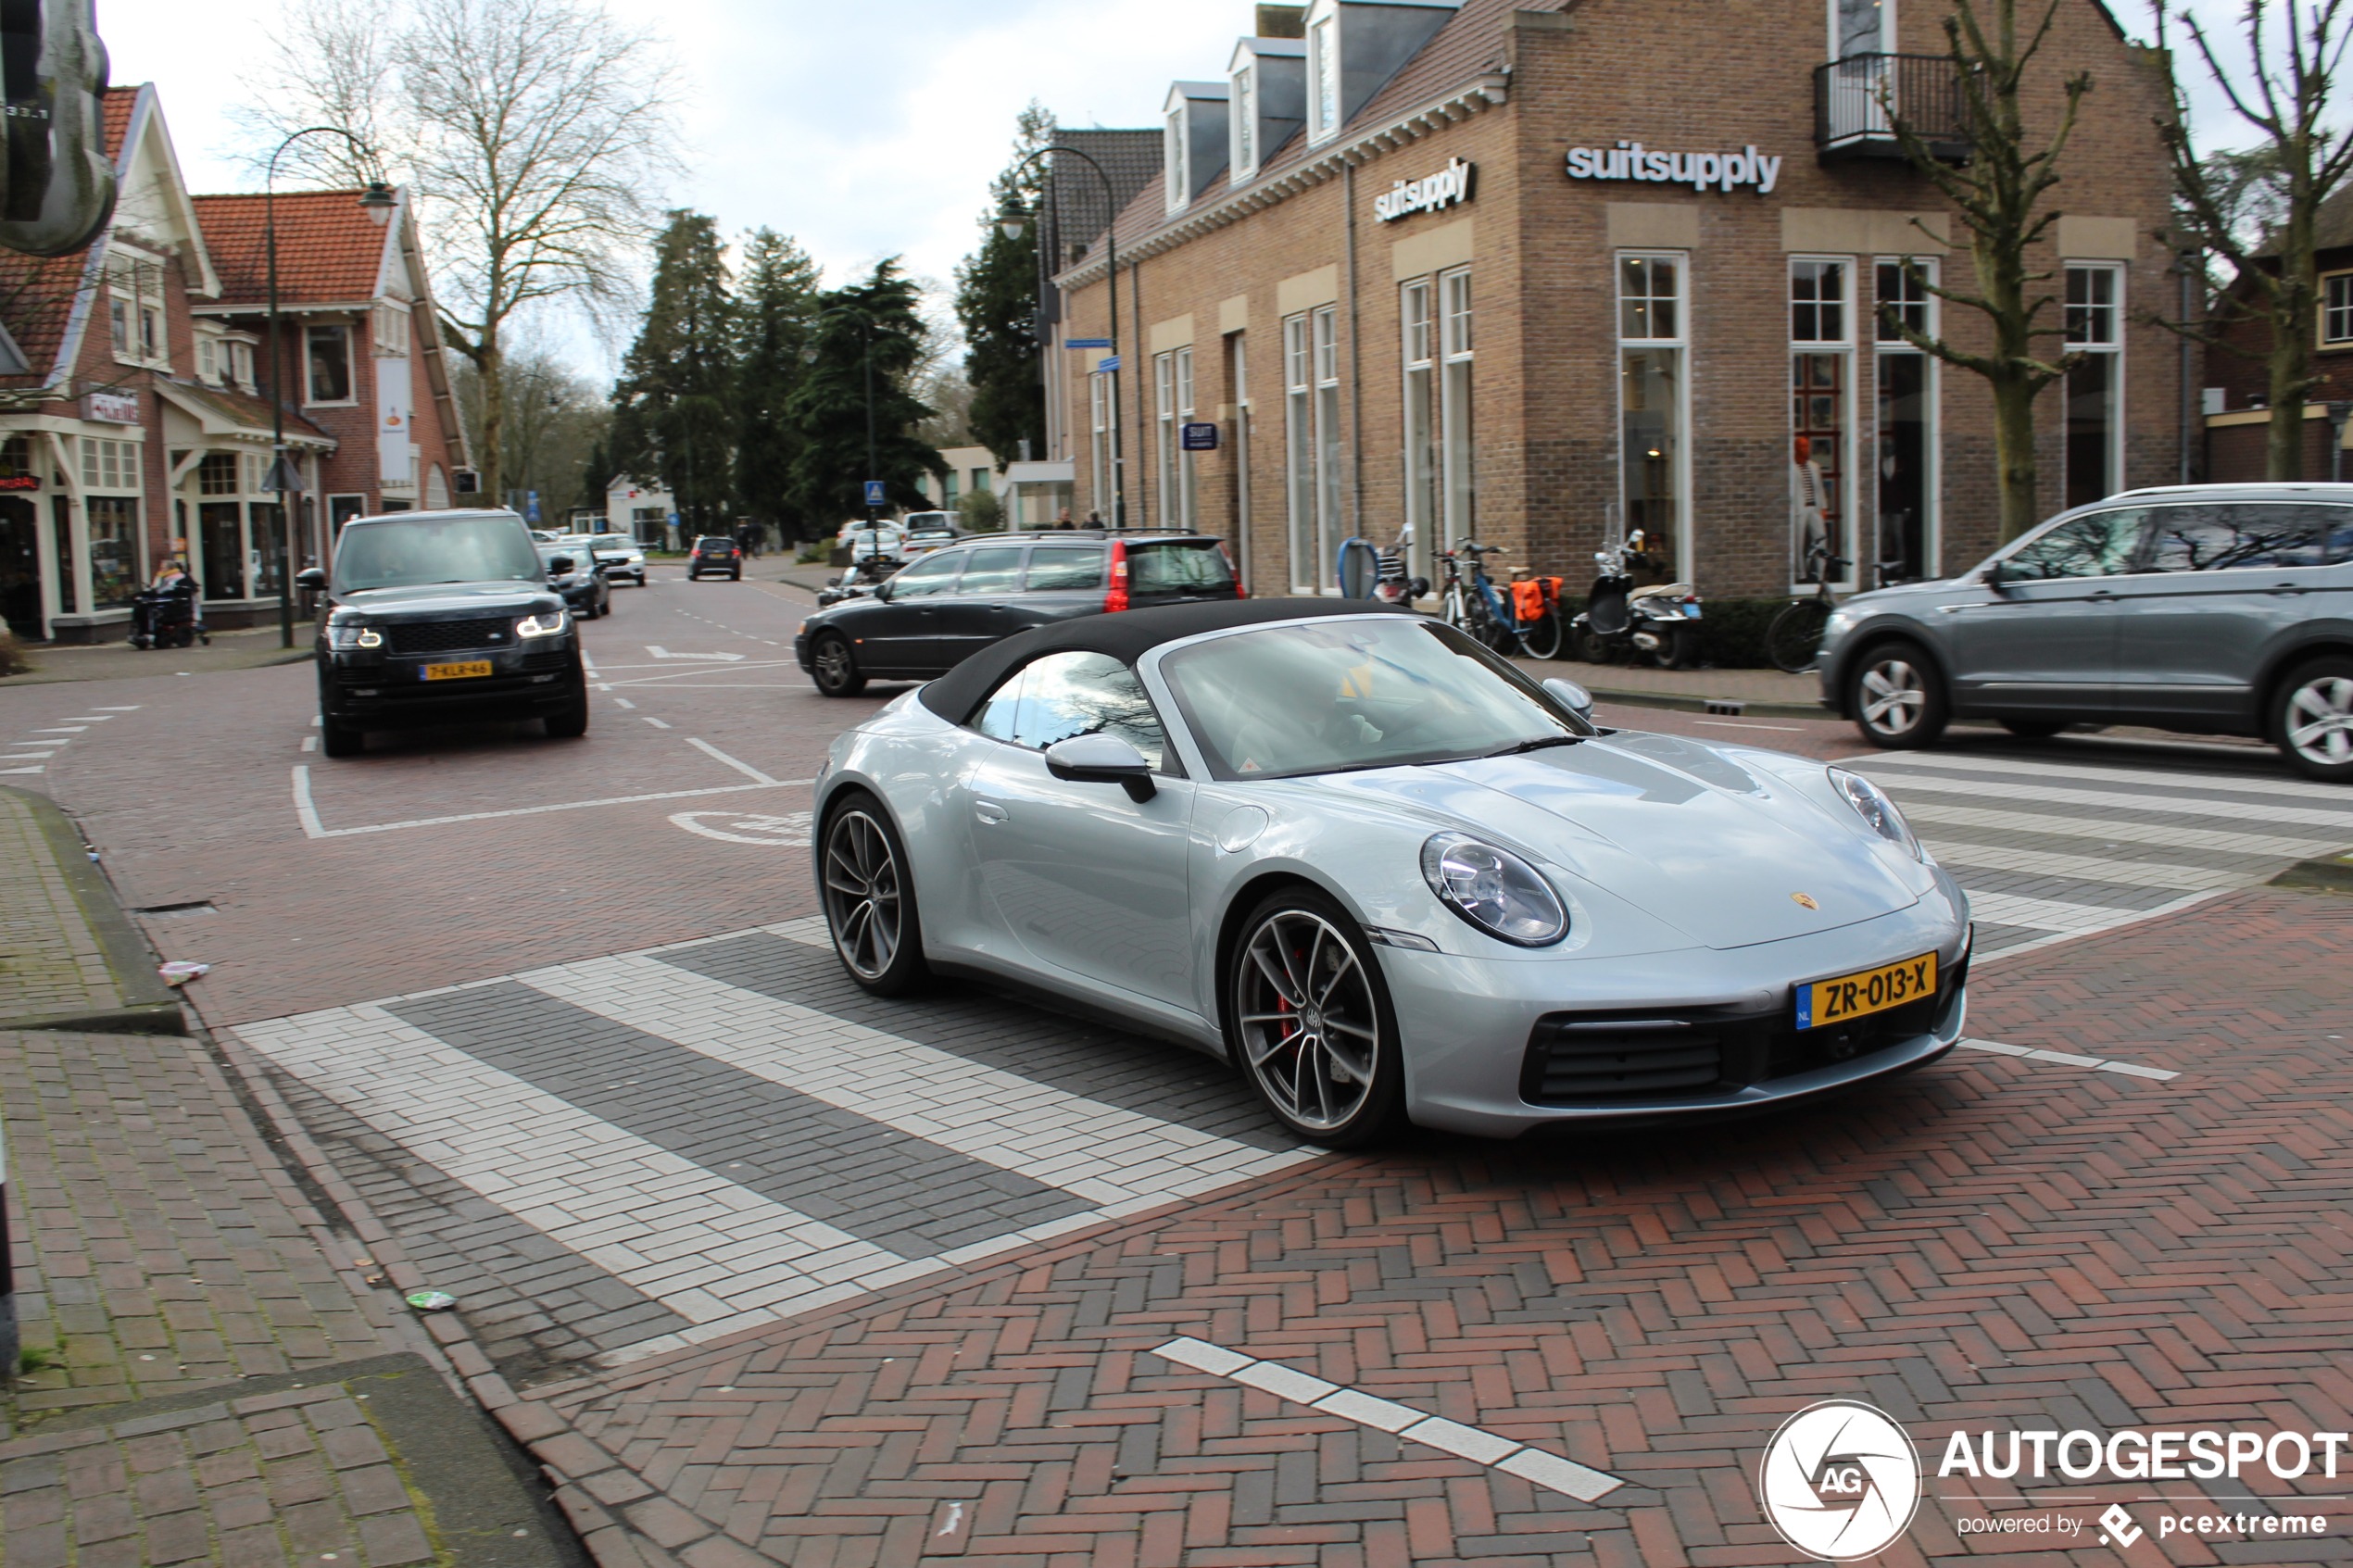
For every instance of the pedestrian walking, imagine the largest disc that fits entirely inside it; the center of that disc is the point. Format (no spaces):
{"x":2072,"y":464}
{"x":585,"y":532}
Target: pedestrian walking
{"x":1809,"y":506}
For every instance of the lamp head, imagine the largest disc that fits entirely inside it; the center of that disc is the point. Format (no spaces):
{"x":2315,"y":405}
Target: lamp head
{"x":1011,"y":218}
{"x":378,"y":201}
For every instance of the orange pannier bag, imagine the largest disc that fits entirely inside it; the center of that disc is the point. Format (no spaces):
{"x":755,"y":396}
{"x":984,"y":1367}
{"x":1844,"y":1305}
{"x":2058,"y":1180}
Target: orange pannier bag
{"x":1528,"y":599}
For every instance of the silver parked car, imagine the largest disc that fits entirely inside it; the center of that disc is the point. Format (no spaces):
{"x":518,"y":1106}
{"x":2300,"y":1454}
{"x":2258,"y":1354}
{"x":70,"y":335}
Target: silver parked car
{"x":2215,"y":609}
{"x":1391,"y":877}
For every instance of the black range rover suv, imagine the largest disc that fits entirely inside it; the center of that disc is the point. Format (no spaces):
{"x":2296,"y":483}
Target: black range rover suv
{"x":442,"y":618}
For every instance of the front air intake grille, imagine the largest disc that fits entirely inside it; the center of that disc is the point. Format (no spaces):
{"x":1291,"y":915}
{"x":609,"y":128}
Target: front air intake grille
{"x":448,"y":636}
{"x":1575,"y":1059}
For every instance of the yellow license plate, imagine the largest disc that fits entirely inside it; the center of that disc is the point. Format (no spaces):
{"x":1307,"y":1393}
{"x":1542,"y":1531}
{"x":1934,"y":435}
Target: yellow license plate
{"x":1869,"y":991}
{"x":467,"y":670}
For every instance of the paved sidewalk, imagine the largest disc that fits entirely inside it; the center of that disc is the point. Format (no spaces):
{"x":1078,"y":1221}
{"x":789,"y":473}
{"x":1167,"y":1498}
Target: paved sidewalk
{"x":68,"y":956}
{"x":118,"y":660}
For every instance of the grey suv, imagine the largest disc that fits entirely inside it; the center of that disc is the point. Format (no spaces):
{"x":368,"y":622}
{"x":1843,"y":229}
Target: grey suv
{"x":2215,"y":609}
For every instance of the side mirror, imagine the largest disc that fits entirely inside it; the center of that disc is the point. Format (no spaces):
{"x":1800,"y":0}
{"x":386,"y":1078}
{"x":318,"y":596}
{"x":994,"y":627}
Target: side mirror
{"x":882,"y":590}
{"x":560,"y":563}
{"x":1571,"y":695}
{"x":311,"y":577}
{"x":1997,"y":577}
{"x":1100,"y":758}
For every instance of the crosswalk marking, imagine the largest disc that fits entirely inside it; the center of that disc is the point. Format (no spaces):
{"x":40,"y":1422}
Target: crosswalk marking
{"x":2180,"y":785}
{"x":2083,"y":868}
{"x":2045,"y":914}
{"x":1100,"y":1152}
{"x":2120,"y":829}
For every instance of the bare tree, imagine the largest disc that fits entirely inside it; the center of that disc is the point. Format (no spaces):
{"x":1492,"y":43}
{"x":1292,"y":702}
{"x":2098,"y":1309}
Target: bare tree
{"x":329,"y":63}
{"x":2297,"y":165}
{"x":1999,"y":193}
{"x":537,"y":136}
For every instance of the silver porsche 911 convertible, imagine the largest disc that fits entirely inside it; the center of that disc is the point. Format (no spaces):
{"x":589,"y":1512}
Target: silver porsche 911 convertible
{"x":1387,"y":875}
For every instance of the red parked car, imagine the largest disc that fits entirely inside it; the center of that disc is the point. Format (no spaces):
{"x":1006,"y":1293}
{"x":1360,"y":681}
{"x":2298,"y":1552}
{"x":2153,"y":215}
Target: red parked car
{"x":715,"y":554}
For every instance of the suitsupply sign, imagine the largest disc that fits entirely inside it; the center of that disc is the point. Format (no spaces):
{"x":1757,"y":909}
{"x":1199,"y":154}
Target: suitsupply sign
{"x":1701,"y":171}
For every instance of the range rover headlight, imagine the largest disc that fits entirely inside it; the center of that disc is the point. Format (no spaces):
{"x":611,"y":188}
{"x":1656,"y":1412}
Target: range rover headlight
{"x":353,"y":634}
{"x":547,"y":623}
{"x":1878,"y":811}
{"x":1494,"y":890}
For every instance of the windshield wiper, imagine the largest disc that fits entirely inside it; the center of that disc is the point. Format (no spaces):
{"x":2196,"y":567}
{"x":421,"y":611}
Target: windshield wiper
{"x":1539,"y":744}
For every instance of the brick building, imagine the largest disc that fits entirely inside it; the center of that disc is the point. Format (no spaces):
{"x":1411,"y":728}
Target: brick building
{"x":135,"y":418}
{"x":2238,"y":383}
{"x":1504,"y":273}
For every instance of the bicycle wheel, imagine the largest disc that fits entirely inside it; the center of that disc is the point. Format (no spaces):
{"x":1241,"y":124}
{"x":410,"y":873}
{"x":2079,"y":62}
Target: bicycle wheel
{"x":1453,"y":610}
{"x":1540,"y":638}
{"x":1795,"y":636}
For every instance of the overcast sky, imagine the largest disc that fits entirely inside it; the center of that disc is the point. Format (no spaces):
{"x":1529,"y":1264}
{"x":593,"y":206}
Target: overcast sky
{"x":863,"y":128}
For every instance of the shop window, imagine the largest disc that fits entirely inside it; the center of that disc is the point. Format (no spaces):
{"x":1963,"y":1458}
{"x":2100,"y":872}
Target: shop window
{"x":216,"y":474}
{"x":109,"y":465}
{"x":1239,"y":369}
{"x":1301,"y":447}
{"x":1326,"y":325}
{"x":1817,"y":301}
{"x":1822,"y":387}
{"x":61,"y":529}
{"x":1172,"y":406}
{"x":1098,"y":444}
{"x":329,"y":365}
{"x":1458,"y":470}
{"x":2336,"y":309}
{"x":264,"y":553}
{"x":1417,"y":317}
{"x":1323,"y":72}
{"x":2094,"y":388}
{"x":1652,"y":321}
{"x":114,"y":545}
{"x":16,"y":458}
{"x":1910,"y":449}
{"x":1242,"y":132}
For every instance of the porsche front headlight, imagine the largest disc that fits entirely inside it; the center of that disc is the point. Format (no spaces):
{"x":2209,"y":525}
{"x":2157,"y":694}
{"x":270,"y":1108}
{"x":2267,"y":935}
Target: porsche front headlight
{"x":1494,"y":890}
{"x":1872,"y":804}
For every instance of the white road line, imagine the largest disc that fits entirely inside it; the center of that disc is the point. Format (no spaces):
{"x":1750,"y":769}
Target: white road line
{"x":62,"y":730}
{"x":2068,"y":1058}
{"x":702,"y":1246}
{"x":1946,"y":760}
{"x":2043,"y":914}
{"x":624,"y":702}
{"x":743,"y":768}
{"x":22,"y":769}
{"x":2123,"y":830}
{"x":310,"y":743}
{"x":131,"y":708}
{"x":2268,"y":816}
{"x":2082,"y":868}
{"x":657,"y":723}
{"x":587,"y":663}
{"x":2160,"y":912}
{"x":88,"y":717}
{"x":1475,"y":1443}
{"x":696,"y":658}
{"x":999,"y":1117}
{"x":313,"y":828}
{"x":1743,"y":724}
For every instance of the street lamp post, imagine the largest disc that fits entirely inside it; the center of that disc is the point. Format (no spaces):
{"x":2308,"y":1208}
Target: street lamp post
{"x":1011,"y":220}
{"x":378,"y":201}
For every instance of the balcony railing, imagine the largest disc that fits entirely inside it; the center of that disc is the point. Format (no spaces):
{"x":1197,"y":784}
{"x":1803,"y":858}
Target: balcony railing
{"x":1857,"y":101}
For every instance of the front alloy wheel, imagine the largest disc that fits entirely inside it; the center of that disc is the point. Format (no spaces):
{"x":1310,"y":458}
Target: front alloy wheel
{"x":1311,"y":1024}
{"x":1895,"y":697}
{"x":870,"y":906}
{"x":2314,"y":722}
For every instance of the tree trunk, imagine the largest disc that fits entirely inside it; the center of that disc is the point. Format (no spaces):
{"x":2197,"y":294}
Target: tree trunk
{"x":2294,"y":321}
{"x":2014,"y":454}
{"x":491,"y":362}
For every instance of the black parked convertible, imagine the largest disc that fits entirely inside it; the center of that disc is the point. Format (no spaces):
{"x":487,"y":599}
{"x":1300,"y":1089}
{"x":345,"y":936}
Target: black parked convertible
{"x":948,"y":604}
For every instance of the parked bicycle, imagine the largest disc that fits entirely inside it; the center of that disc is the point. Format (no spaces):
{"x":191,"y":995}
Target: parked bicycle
{"x":1475,"y":606}
{"x":1795,"y":636}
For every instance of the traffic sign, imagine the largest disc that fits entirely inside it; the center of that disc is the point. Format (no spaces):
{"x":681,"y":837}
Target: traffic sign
{"x":877,"y":493}
{"x":1200,"y":437}
{"x":531,"y":505}
{"x":1087,"y":342}
{"x":1108,"y":362}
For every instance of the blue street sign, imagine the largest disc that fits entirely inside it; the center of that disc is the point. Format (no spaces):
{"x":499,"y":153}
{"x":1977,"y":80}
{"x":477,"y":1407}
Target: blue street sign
{"x":877,"y":493}
{"x":1202,"y":437}
{"x":1087,"y":342}
{"x":1108,"y":362}
{"x":531,"y":505}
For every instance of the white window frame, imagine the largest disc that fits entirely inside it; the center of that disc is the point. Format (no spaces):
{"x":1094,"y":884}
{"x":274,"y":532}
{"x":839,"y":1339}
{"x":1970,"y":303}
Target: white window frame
{"x":1418,"y":409}
{"x":1240,"y":460}
{"x":1176,"y":165}
{"x":1458,"y":451}
{"x":208,"y":357}
{"x":388,"y":329}
{"x":1241,"y":120}
{"x":2336,"y":310}
{"x":2114,"y":346}
{"x":1887,"y":33}
{"x":1681,"y":341}
{"x":1300,"y":447}
{"x":1175,"y":503}
{"x":139,"y":324}
{"x":113,"y":467}
{"x":1326,"y":108}
{"x":1099,"y":442}
{"x":350,"y":365}
{"x":1324,"y":335}
{"x":1933,"y":390}
{"x":1842,"y":527}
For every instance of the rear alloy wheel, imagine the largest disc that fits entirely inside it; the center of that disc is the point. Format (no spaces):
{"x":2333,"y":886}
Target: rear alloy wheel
{"x":834,"y":668}
{"x":1311,"y":1022}
{"x":2312,"y":720}
{"x":870,"y":902}
{"x":1898,"y":700}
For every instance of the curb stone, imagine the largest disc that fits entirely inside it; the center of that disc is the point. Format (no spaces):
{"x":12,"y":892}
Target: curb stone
{"x":149,"y":1006}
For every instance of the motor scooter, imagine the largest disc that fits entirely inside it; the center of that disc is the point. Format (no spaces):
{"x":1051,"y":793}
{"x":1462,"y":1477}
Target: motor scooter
{"x":1658,"y":624}
{"x":1392,"y":585}
{"x":866,"y":574}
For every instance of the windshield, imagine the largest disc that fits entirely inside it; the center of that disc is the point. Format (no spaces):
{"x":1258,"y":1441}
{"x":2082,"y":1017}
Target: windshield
{"x":615,"y":541}
{"x":1177,"y":569}
{"x":1349,"y":693}
{"x":421,"y":551}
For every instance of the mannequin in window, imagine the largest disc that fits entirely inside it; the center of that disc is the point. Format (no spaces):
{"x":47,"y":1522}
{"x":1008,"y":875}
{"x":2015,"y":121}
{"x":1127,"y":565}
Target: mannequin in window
{"x":1808,"y":508}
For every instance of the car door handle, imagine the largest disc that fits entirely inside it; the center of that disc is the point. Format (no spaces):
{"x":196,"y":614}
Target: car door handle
{"x":988,"y":812}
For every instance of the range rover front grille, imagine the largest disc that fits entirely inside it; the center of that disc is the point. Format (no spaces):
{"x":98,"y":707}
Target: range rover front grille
{"x":448,"y":636}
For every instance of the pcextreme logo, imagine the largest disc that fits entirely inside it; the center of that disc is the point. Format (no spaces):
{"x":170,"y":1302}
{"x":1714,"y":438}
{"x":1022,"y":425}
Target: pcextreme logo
{"x":1840,"y":1480}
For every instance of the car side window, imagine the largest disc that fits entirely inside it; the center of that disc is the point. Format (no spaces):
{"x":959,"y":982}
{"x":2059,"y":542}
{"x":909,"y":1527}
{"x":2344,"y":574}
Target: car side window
{"x":1065,"y":568}
{"x":935,"y":574}
{"x":2336,"y":535}
{"x":2099,"y":545}
{"x":1064,"y":694}
{"x":992,"y":571}
{"x":2239,"y":537}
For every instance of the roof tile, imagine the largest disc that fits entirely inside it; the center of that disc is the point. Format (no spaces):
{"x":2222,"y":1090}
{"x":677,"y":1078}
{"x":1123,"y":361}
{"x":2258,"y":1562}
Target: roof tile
{"x":329,"y":250}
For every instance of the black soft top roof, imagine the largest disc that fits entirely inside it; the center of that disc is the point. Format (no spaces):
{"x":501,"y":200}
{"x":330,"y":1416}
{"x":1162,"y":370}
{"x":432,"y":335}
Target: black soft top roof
{"x":1125,"y":636}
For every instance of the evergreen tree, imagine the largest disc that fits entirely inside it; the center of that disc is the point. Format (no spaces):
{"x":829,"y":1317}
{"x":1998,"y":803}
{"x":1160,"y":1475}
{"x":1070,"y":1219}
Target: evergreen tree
{"x":877,"y":325}
{"x":597,"y":476}
{"x":997,"y":304}
{"x":777,"y":302}
{"x":672,"y":405}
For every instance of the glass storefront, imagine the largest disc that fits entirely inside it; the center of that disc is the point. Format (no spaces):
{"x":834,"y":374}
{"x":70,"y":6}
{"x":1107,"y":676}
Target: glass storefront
{"x":221,"y":550}
{"x":1651,"y":329}
{"x":114,"y":550}
{"x":20,"y":565}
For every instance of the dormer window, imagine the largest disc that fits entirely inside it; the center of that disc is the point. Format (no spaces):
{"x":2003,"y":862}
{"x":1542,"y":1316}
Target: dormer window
{"x":1243,"y":112}
{"x":1323,"y":71}
{"x":1198,"y":120}
{"x":1175,"y":167}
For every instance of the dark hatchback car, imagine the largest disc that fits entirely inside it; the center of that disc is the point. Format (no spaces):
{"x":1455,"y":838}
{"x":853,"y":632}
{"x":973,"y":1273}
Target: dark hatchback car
{"x":442,"y":618}
{"x":951,"y":603}
{"x":716,"y":555}
{"x":573,"y":574}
